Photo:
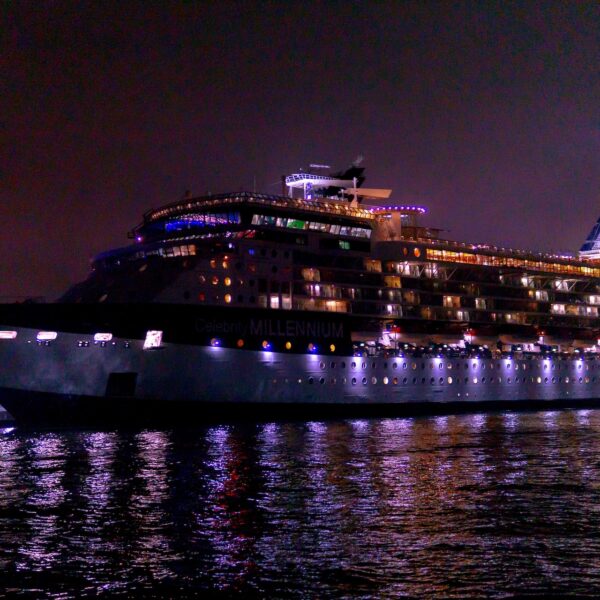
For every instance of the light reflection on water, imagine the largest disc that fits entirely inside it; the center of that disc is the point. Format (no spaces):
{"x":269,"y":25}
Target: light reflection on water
{"x":471,"y":505}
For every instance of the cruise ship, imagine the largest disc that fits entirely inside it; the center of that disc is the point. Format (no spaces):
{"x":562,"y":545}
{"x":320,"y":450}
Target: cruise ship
{"x":328,"y":299}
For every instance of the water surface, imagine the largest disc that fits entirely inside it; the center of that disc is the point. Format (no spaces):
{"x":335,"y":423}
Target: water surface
{"x":457,"y":506}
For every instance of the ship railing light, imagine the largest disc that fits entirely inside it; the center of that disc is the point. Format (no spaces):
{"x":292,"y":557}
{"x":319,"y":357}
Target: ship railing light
{"x":8,"y":335}
{"x":46,"y":336}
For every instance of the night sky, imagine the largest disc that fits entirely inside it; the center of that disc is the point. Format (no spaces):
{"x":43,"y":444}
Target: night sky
{"x":487,"y":113}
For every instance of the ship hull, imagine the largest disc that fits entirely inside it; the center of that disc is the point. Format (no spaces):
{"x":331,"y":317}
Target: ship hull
{"x":65,"y":382}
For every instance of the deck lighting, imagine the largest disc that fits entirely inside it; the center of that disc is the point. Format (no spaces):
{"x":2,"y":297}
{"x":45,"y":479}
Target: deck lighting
{"x":288,"y":345}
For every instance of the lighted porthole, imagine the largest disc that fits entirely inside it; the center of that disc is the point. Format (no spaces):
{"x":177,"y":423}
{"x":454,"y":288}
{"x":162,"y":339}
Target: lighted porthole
{"x":450,"y":380}
{"x":227,"y":298}
{"x":225,"y":264}
{"x":414,"y":366}
{"x":417,"y":252}
{"x":395,"y":381}
{"x":227,"y":281}
{"x":474,"y":379}
{"x":214,"y":280}
{"x":385,"y":381}
{"x":213,"y":263}
{"x":539,"y":379}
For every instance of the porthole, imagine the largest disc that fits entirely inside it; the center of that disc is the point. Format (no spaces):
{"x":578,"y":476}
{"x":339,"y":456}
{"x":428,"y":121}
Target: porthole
{"x":404,"y":365}
{"x":342,"y":365}
{"x":332,"y":365}
{"x":545,"y":380}
{"x":414,"y":366}
{"x":311,"y":380}
{"x":432,"y":380}
{"x":364,"y":365}
{"x":508,"y":380}
{"x":214,"y":280}
{"x":385,"y":381}
{"x":441,"y":380}
{"x":450,"y":380}
{"x":322,"y":380}
{"x":394,"y":365}
{"x":364,"y":381}
{"x":322,"y":365}
{"x":466,"y":380}
{"x":474,"y":379}
{"x":354,"y":365}
{"x":404,"y":380}
{"x":373,"y":380}
{"x":483,"y":380}
{"x":354,"y":381}
{"x":414,"y":380}
{"x":395,"y":380}
{"x":539,"y":379}
{"x":441,"y":366}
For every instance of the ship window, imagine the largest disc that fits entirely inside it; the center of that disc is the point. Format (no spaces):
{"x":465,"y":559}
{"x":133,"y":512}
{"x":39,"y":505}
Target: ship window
{"x":364,"y":381}
{"x":373,"y":380}
{"x":311,"y":380}
{"x":385,"y":381}
{"x":322,"y":365}
{"x":8,"y":335}
{"x":153,"y":339}
{"x":432,"y":380}
{"x":342,"y":365}
{"x":201,"y":297}
{"x":228,"y":298}
{"x":354,"y":381}
{"x":450,"y":380}
{"x":101,"y":337}
{"x":45,"y":336}
{"x":322,"y":380}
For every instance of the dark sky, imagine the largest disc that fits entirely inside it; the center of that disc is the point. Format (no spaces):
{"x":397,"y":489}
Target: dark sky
{"x":487,"y":113}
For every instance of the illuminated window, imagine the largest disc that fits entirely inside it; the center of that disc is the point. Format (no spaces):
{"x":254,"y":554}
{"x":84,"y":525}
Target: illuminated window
{"x":153,"y":339}
{"x":240,"y":343}
{"x":46,"y":336}
{"x":214,"y":280}
{"x":228,"y":298}
{"x":227,"y":281}
{"x":8,"y":335}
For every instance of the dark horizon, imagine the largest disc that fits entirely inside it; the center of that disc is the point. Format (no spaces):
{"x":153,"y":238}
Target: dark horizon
{"x":487,"y":113}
